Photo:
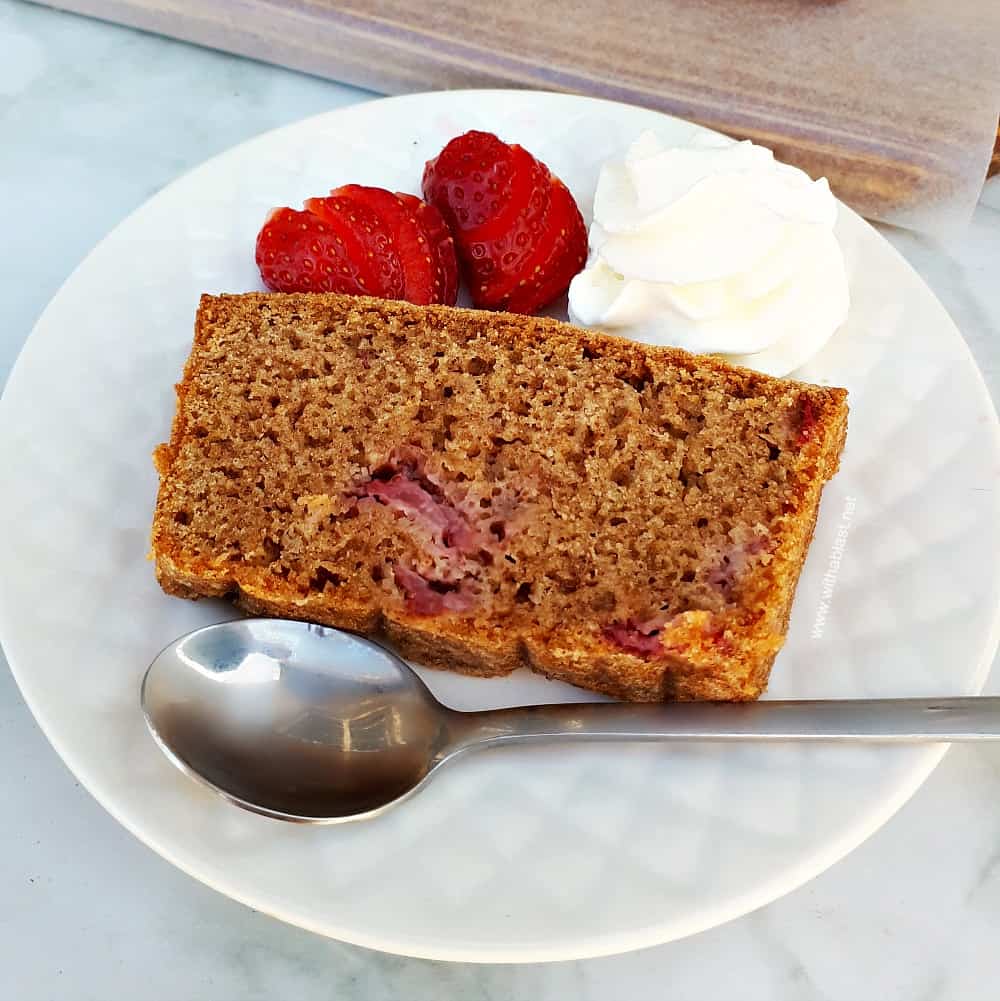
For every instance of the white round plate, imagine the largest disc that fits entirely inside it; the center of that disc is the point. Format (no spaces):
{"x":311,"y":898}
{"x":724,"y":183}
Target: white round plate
{"x":519,"y":854}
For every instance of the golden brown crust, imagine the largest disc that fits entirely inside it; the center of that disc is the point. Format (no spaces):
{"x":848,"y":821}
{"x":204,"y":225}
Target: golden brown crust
{"x":607,"y":497}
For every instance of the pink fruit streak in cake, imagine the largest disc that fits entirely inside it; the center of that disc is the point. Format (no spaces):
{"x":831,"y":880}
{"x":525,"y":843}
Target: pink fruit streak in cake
{"x":639,"y":638}
{"x":412,"y":500}
{"x":404,"y":485}
{"x":808,"y":420}
{"x":430,"y":597}
{"x":457,"y":542}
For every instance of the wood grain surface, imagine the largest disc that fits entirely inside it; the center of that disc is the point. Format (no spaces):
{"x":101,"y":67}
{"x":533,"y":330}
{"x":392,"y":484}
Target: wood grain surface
{"x":895,"y":101}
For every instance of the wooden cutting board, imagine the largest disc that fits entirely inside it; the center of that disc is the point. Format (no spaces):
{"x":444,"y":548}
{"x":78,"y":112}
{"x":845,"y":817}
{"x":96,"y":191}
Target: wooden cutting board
{"x":893,"y":100}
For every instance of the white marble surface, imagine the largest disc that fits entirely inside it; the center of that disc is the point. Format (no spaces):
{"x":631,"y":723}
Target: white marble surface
{"x":94,"y":119}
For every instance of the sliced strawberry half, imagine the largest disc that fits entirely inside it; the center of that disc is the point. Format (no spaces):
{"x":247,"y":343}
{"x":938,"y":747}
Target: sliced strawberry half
{"x":366,"y":240}
{"x":522,"y":250}
{"x":442,"y":245}
{"x":299,"y":252}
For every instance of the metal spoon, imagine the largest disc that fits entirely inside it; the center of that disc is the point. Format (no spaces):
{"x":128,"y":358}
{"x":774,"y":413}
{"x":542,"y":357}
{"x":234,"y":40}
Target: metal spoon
{"x":316,"y":725}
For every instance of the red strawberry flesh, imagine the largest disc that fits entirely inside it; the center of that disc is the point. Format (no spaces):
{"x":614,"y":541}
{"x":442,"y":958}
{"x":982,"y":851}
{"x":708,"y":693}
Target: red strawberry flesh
{"x":549,"y":274}
{"x":412,"y":245}
{"x":366,"y":241}
{"x":442,"y":246}
{"x":467,"y":178}
{"x":298,"y":252}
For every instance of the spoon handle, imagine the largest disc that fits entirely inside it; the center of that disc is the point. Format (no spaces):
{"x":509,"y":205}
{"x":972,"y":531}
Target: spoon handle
{"x":913,"y":721}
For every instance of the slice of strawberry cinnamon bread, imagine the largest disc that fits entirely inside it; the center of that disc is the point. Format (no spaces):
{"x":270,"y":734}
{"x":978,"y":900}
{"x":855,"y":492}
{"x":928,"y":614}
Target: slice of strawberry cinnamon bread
{"x":491,"y":491}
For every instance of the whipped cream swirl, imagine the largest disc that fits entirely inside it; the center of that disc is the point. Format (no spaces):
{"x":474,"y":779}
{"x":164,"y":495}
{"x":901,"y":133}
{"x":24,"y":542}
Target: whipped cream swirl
{"x":717,"y":248}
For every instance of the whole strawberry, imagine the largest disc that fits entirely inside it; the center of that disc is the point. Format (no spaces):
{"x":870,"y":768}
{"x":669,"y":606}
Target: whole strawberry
{"x":518,"y":232}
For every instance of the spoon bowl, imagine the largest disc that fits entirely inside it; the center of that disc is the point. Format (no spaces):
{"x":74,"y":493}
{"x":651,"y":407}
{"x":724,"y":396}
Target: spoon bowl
{"x":316,"y":725}
{"x":294,"y":720}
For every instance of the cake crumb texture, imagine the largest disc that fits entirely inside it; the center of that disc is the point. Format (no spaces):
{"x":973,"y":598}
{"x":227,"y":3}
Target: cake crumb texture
{"x":491,"y":491}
